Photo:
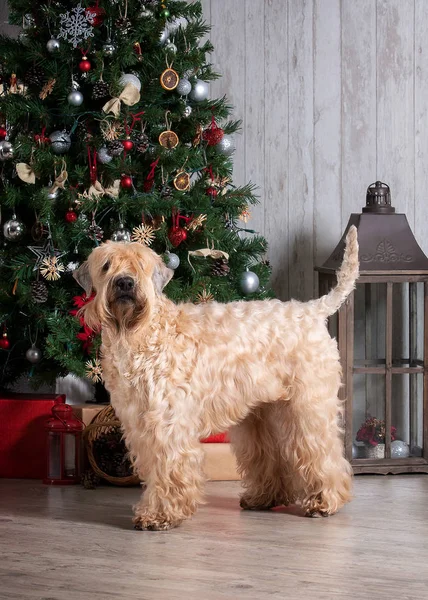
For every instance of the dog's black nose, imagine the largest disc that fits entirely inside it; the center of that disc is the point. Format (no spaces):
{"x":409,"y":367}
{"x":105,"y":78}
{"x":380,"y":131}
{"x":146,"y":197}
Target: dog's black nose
{"x":125,"y":284}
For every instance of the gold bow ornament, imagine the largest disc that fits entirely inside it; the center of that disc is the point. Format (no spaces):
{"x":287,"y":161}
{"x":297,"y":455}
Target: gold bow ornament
{"x":130,"y":95}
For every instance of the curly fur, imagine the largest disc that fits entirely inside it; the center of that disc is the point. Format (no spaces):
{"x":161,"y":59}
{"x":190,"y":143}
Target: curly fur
{"x":267,"y":370}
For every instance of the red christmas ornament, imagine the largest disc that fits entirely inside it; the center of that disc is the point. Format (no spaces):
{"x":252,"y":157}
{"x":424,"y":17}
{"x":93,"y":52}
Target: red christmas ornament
{"x":3,"y":133}
{"x":126,"y":182}
{"x":212,"y":192}
{"x":98,"y":15}
{"x":213,"y":134}
{"x":128,"y":145}
{"x":84,"y":65}
{"x":4,"y":342}
{"x":71,"y":216}
{"x":177,"y":235}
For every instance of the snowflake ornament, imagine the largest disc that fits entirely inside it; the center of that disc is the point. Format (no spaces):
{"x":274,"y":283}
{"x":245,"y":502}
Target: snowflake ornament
{"x":94,"y":370}
{"x":76,"y":25}
{"x":51,"y":268}
{"x":144,"y":234}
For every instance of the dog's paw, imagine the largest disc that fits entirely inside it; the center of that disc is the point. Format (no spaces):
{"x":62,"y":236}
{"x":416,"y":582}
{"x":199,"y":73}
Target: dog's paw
{"x":315,"y":514}
{"x":153,"y":522}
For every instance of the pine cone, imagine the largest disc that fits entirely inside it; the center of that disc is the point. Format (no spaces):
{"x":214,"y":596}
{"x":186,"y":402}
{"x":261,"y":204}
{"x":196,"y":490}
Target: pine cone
{"x":115,"y":148}
{"x":35,"y":76}
{"x":90,"y":480}
{"x":96,"y":231}
{"x":166,"y":193}
{"x":39,"y":292}
{"x":124,"y":25}
{"x":220,"y":267}
{"x":142,"y":143}
{"x":100,"y":90}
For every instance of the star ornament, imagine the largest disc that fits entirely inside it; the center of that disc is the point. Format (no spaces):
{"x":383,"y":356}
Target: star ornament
{"x":44,"y":252}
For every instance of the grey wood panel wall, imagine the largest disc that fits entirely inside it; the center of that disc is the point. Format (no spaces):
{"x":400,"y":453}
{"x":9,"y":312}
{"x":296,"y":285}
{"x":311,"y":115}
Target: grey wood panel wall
{"x":333,"y":95}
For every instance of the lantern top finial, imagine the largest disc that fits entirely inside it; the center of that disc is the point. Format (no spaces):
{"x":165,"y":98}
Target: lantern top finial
{"x":378,"y":199}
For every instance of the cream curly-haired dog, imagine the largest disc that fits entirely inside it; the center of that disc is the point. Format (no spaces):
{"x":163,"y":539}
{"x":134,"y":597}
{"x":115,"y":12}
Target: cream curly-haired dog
{"x":267,"y":370}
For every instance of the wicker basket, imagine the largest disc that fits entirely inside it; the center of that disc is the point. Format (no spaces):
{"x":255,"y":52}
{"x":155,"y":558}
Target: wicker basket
{"x":102,"y":423}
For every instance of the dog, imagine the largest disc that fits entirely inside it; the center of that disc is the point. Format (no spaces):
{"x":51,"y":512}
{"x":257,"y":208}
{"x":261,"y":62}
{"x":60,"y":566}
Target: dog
{"x":267,"y":370}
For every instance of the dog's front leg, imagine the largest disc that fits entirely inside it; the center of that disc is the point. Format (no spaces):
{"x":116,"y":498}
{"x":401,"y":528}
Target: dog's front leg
{"x":174,"y":480}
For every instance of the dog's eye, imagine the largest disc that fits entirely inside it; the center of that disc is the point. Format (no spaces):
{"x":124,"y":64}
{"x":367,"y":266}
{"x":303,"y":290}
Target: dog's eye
{"x":106,"y":267}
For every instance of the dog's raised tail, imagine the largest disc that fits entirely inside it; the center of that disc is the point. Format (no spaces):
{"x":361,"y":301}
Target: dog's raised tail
{"x":346,"y":276}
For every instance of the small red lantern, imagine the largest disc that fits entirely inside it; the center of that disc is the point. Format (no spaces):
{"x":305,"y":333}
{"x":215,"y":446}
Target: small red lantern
{"x":84,"y":65}
{"x":64,"y":432}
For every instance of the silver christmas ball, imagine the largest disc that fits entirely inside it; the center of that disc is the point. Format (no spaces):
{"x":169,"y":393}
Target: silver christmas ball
{"x":171,"y":47}
{"x":75,"y":98}
{"x":23,"y":37}
{"x":146,"y":13}
{"x":199,"y":91}
{"x":52,"y":195}
{"x":109,"y":49}
{"x":53,"y":45}
{"x":187,"y":111}
{"x":103,"y":156}
{"x":249,"y":282}
{"x":226,"y":146}
{"x":121,"y":235}
{"x":172,"y":261}
{"x":28,"y":21}
{"x":399,"y":449}
{"x":130,"y":78}
{"x":183,"y":88}
{"x":6,"y":150}
{"x":174,"y":25}
{"x":164,"y":36}
{"x":72,"y":266}
{"x":60,"y":142}
{"x":33,"y":354}
{"x":13,"y":229}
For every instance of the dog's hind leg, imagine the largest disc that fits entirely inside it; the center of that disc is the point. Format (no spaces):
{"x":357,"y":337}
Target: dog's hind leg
{"x":255,"y":444}
{"x":312,"y":446}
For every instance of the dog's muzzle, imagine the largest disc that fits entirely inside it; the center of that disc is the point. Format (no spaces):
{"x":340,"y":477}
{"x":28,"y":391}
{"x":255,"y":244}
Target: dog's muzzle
{"x":124,"y":289}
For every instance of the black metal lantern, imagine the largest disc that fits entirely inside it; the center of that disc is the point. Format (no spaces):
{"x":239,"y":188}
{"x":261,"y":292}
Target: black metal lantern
{"x":382,"y":332}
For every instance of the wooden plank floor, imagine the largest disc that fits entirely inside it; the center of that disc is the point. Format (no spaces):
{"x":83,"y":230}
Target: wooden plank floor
{"x":70,"y":543}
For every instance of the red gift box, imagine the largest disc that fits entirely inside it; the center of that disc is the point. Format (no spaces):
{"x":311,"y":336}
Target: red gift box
{"x":22,"y":434}
{"x":217,"y":438}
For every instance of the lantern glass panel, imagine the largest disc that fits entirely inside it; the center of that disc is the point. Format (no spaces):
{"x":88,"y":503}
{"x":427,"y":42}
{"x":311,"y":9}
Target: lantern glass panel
{"x":70,"y":454}
{"x":407,"y":413}
{"x":368,"y":401}
{"x":54,"y":467}
{"x":370,"y":325}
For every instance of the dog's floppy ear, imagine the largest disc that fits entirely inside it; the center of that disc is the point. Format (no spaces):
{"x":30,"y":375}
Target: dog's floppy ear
{"x":83,"y":278}
{"x":161,"y":275}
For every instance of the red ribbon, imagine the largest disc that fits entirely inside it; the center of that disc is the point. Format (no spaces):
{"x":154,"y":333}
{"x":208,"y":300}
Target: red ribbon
{"x":135,"y":118}
{"x":92,"y":160}
{"x":210,"y":171}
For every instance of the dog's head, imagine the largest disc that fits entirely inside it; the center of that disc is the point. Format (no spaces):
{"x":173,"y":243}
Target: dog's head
{"x":127,"y":279}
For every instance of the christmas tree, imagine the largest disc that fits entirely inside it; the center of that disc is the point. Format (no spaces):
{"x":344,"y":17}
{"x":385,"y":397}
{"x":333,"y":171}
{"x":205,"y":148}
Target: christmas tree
{"x":108,"y":132}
